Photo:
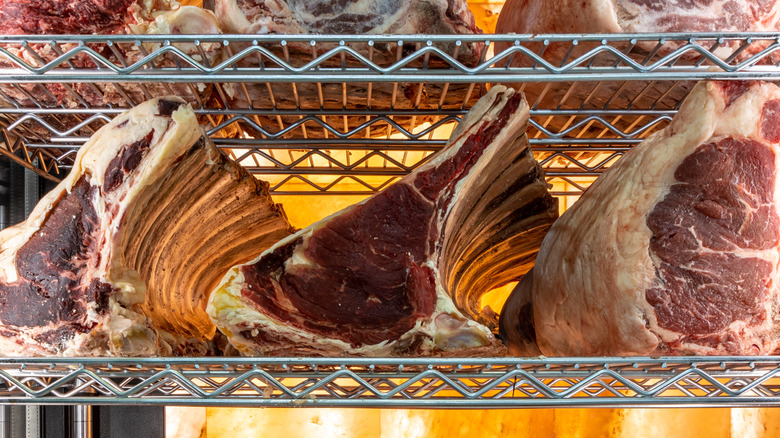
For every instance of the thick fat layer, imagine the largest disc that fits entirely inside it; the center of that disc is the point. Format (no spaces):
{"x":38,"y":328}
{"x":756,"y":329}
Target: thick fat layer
{"x":346,"y":16}
{"x":365,"y":281}
{"x":697,"y":15}
{"x":644,"y":262}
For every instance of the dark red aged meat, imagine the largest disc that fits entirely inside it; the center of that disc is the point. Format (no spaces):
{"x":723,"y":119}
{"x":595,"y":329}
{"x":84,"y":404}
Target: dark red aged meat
{"x":105,"y":17}
{"x":674,"y":250}
{"x":379,"y":277}
{"x":111,"y":261}
{"x":85,"y":17}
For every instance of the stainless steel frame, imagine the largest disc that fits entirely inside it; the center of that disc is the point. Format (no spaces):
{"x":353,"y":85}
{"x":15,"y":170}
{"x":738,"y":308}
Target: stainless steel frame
{"x":362,"y":382}
{"x":592,"y":97}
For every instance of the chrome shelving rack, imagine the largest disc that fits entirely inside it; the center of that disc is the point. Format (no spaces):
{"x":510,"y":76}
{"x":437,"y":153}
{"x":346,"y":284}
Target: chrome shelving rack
{"x":350,"y":115}
{"x":439,"y":383}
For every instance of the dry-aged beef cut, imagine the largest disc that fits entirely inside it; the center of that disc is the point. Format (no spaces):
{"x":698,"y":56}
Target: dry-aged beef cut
{"x":105,"y":17}
{"x":379,"y":277}
{"x":637,"y":16}
{"x":118,"y":258}
{"x":674,"y":249}
{"x":626,"y":16}
{"x":353,"y":17}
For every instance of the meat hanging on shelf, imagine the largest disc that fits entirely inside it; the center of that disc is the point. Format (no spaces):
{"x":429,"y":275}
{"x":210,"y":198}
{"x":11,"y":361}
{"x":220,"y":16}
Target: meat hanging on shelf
{"x":119,"y":257}
{"x":633,"y":17}
{"x":638,"y":16}
{"x":674,"y":249}
{"x":385,"y":277}
{"x":103,"y":17}
{"x":353,"y":17}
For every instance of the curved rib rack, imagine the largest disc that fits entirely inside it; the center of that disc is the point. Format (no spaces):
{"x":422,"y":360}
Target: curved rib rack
{"x":483,"y":383}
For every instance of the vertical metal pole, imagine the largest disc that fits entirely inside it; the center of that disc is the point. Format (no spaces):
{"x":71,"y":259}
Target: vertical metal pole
{"x":81,"y":426}
{"x":17,"y":421}
{"x":32,"y":416}
{"x":32,"y":190}
{"x":5,"y":421}
{"x":16,"y":195}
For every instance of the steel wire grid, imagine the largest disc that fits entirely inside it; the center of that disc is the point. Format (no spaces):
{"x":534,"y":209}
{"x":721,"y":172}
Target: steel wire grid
{"x":344,"y":119}
{"x":456,"y":383}
{"x":351,"y":114}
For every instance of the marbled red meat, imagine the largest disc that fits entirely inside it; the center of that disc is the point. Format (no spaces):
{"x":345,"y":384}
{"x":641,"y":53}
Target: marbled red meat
{"x":110,"y":261}
{"x":675,"y":249}
{"x":79,"y":17}
{"x":105,"y":17}
{"x":374,"y":278}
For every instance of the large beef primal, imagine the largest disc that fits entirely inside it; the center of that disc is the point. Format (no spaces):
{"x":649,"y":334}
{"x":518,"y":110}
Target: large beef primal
{"x":379,"y":277}
{"x":118,"y":258}
{"x":636,"y":16}
{"x":350,"y":17}
{"x":631,"y":17}
{"x":673,"y":250}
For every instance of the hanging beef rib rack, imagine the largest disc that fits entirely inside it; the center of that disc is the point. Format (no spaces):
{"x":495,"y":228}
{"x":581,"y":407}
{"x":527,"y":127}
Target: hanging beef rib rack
{"x":111,"y":262}
{"x":561,"y":138}
{"x":379,"y":277}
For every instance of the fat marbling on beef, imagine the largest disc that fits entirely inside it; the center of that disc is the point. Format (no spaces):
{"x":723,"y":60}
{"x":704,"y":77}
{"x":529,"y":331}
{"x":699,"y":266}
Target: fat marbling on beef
{"x":674,"y":249}
{"x":379,"y":277}
{"x":119,"y":257}
{"x":352,"y":17}
{"x":631,"y":17}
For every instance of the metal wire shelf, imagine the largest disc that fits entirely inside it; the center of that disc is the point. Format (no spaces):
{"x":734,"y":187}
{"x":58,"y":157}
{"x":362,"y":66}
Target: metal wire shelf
{"x":456,"y":383}
{"x":351,"y":114}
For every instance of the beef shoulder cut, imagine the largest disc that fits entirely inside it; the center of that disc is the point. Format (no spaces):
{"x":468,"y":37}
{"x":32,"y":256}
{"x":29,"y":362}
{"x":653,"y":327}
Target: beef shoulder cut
{"x":674,"y":249}
{"x":638,"y":16}
{"x":118,"y":258}
{"x":635,"y":16}
{"x":379,"y":277}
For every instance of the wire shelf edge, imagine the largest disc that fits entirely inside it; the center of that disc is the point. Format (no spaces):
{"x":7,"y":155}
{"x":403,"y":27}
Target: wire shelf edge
{"x":301,"y":110}
{"x":391,"y":382}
